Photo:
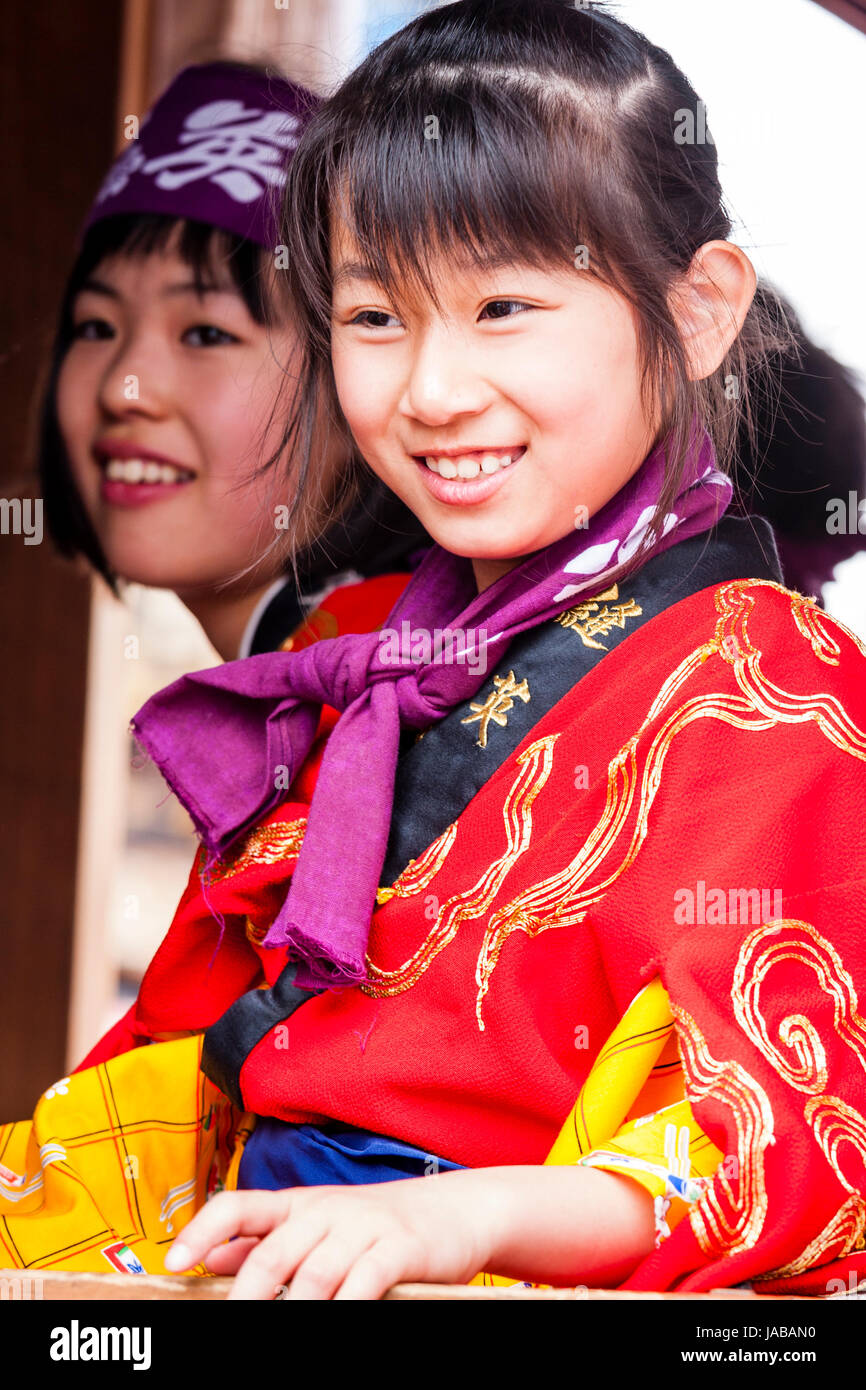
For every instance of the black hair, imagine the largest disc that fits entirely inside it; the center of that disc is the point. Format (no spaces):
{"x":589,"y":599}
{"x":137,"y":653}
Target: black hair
{"x":806,"y":449}
{"x":526,"y":129}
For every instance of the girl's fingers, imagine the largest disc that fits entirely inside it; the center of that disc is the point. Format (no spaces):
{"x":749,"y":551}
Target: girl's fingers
{"x":376,"y":1271}
{"x":267,"y":1270}
{"x":227,"y":1259}
{"x":228,"y":1214}
{"x":328,"y":1264}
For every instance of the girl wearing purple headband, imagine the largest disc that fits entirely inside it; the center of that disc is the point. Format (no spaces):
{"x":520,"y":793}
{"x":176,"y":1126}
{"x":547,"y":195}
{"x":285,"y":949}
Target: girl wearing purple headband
{"x":572,"y":918}
{"x":174,"y":342}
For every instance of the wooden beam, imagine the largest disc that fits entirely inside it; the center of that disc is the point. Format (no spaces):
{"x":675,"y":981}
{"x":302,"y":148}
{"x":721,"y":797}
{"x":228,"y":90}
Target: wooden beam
{"x":58,"y":142}
{"x":54,"y":1284}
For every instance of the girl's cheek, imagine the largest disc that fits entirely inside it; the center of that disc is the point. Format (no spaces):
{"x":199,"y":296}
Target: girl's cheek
{"x":364,"y":405}
{"x":76,"y":416}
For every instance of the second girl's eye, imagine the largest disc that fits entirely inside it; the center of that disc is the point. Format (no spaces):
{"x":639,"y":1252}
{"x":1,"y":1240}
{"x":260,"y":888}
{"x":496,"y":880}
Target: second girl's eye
{"x":207,"y":335}
{"x":93,"y":330}
{"x":373,"y":318}
{"x":500,"y":308}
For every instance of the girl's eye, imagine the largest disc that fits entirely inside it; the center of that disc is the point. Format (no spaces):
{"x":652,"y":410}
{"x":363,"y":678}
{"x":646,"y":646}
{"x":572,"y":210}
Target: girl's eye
{"x":207,"y":335}
{"x":372,"y":318}
{"x":499,"y":308}
{"x":93,"y":330}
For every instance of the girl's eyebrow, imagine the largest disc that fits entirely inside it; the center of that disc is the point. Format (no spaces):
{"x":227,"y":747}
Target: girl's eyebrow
{"x":354,"y":270}
{"x":98,"y":287}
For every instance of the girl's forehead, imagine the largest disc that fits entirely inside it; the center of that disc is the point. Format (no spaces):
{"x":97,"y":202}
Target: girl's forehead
{"x":162,"y":269}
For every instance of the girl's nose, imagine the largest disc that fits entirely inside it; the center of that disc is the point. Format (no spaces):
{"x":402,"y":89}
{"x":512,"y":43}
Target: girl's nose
{"x":444,"y":380}
{"x":135,"y":381}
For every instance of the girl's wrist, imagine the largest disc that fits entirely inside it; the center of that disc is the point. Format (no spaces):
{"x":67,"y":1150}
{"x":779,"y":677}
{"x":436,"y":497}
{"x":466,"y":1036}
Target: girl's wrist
{"x":557,"y":1225}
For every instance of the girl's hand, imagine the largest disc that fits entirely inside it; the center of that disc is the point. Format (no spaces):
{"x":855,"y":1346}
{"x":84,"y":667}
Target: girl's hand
{"x":345,"y":1242}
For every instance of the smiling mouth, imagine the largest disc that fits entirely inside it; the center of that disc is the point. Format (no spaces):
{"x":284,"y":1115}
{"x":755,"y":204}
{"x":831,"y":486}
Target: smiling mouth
{"x":472,"y":463}
{"x":144,"y":471}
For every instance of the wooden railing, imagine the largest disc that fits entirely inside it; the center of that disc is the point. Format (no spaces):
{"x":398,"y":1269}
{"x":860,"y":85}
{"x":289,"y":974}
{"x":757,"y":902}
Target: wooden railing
{"x":52,"y":1284}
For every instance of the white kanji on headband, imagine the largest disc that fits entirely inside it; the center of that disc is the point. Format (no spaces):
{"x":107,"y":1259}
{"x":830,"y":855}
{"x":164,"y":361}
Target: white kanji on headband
{"x":239,"y":148}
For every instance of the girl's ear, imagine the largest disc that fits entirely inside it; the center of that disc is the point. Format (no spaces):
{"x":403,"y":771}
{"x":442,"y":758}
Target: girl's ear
{"x":711,"y":302}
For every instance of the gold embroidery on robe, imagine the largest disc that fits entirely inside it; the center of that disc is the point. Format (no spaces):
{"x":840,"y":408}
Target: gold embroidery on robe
{"x":419,"y":873}
{"x":498,"y":705}
{"x":590,"y":620}
{"x":842,"y":1234}
{"x":835,"y":1123}
{"x":832,"y":1120}
{"x":267,"y":844}
{"x":728,"y":1217}
{"x":564,"y":898}
{"x":533,"y":769}
{"x":634,"y":774}
{"x":798,"y":941}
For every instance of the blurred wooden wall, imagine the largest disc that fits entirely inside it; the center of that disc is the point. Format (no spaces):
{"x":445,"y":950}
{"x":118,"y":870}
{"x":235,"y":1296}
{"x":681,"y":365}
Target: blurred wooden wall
{"x":57,"y":122}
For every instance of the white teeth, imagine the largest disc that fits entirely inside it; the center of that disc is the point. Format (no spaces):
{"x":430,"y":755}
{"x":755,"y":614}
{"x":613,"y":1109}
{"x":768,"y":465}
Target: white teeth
{"x":142,"y":471}
{"x":468,"y":466}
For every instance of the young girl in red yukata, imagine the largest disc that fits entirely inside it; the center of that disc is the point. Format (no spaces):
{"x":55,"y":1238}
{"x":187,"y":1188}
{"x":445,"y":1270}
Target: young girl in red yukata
{"x":548,"y":971}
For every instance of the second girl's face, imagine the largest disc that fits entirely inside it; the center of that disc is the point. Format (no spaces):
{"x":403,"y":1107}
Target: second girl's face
{"x":499,"y":414}
{"x":164,"y":400}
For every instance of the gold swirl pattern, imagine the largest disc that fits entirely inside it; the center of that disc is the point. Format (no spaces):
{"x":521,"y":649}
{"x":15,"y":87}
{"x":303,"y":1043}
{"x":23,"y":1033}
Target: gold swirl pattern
{"x":834,"y":1123}
{"x":419,"y":873}
{"x":267,"y":844}
{"x":534,"y":766}
{"x":634,"y":776}
{"x":728,"y":1218}
{"x":842,"y":1234}
{"x":808,"y":619}
{"x":782,"y":706}
{"x":791,"y":940}
{"x":832,"y":1120}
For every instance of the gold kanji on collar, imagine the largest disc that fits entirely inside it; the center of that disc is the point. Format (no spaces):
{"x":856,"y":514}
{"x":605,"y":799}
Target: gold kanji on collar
{"x":497,"y":705}
{"x":590,"y":619}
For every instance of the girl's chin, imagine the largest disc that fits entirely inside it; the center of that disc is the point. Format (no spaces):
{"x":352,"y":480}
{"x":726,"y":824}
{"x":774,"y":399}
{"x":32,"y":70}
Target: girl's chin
{"x":477,"y":543}
{"x":162,"y":572}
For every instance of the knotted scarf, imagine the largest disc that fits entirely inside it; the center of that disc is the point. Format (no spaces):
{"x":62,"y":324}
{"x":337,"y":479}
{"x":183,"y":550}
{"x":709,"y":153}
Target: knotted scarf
{"x":229,"y":741}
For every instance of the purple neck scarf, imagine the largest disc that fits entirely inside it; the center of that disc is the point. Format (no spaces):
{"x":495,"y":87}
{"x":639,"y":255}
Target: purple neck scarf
{"x":226,"y":740}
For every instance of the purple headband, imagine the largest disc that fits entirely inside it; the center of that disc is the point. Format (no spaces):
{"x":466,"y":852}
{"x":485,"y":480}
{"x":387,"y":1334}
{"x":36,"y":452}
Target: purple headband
{"x":215,"y":148}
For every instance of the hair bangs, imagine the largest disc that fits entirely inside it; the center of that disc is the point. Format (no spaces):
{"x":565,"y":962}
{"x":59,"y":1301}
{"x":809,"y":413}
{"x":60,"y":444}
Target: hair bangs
{"x":498,"y":176}
{"x":208,"y":251}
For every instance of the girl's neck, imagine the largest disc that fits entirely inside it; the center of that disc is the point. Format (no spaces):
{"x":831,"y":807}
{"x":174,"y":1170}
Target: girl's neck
{"x":224,"y":617}
{"x":488,"y":571}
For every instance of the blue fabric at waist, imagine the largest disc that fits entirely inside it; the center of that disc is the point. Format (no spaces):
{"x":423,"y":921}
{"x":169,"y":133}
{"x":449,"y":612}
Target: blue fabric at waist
{"x":279,"y":1154}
